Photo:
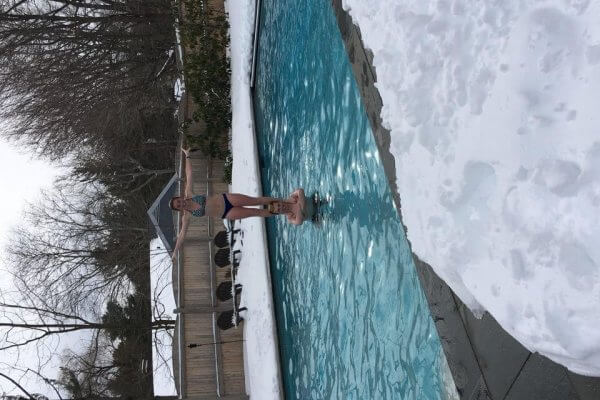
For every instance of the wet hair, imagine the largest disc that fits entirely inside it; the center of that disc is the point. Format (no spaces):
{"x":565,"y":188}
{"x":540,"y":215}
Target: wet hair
{"x":171,"y":203}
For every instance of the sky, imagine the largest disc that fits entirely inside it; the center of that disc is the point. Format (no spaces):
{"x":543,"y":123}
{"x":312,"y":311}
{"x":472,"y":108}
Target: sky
{"x":22,"y":178}
{"x":25,"y":178}
{"x":160,"y":276}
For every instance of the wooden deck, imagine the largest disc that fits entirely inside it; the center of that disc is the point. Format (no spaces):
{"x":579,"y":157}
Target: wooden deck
{"x":216,"y":365}
{"x":214,"y":368}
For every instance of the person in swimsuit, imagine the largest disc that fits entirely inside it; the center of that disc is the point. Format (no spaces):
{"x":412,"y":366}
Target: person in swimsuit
{"x":294,"y":207}
{"x":224,"y":205}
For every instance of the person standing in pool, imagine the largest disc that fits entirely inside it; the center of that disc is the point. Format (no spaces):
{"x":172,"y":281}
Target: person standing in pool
{"x":294,"y":208}
{"x":224,"y":205}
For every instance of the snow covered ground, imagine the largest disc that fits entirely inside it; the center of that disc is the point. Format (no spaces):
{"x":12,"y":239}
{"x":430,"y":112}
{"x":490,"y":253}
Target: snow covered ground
{"x":163,"y":306}
{"x":261,"y":352}
{"x":493,"y":112}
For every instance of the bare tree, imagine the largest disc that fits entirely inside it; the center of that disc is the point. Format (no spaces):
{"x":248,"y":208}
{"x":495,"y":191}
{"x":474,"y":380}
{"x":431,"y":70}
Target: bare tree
{"x":21,"y":388}
{"x":162,"y":339}
{"x":23,"y":325}
{"x":75,"y":73}
{"x":77,"y":246}
{"x":53,"y":384}
{"x":125,"y":176}
{"x":87,"y":375}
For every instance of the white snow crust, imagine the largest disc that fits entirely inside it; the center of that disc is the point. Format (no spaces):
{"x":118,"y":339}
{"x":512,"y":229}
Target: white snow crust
{"x":261,"y":350}
{"x":495,"y":123}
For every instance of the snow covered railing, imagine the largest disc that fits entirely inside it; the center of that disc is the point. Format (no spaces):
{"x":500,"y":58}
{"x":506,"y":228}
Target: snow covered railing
{"x":255,"y":42}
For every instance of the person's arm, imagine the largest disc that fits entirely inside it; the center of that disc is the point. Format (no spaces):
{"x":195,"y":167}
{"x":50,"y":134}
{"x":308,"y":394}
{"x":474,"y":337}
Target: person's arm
{"x":185,"y":221}
{"x":189,"y":180}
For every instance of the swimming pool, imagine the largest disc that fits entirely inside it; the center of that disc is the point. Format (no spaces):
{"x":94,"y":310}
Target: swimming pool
{"x":353,"y":321}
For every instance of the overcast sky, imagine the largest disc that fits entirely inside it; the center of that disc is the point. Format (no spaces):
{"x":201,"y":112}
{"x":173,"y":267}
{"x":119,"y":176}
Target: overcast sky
{"x":23,"y":178}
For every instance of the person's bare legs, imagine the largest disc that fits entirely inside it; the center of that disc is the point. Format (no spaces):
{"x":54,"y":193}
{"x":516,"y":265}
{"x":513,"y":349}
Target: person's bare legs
{"x":241,"y":200}
{"x":241,"y":212}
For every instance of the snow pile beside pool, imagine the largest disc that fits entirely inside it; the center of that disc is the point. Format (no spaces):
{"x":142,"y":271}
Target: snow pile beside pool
{"x":495,"y":120}
{"x":261,"y":350}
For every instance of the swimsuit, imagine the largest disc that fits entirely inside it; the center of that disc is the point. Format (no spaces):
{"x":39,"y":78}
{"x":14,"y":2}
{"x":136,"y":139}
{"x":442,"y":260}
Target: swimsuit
{"x":201,"y":201}
{"x":228,"y":205}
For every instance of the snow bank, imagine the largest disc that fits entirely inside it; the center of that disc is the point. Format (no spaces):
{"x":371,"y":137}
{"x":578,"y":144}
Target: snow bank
{"x":496,"y":132}
{"x":261,"y":351}
{"x":161,"y":286}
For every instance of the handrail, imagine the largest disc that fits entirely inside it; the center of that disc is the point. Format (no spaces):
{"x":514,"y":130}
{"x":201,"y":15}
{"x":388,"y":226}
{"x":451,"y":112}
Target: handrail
{"x":180,"y":302}
{"x":255,"y":42}
{"x":181,"y":118}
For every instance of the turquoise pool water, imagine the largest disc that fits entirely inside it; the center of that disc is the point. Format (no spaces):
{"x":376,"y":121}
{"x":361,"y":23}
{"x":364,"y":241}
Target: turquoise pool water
{"x":352,"y":318}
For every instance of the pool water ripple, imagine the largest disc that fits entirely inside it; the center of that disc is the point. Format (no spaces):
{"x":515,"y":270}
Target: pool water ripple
{"x":352,"y":319}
